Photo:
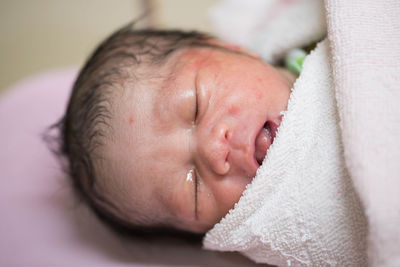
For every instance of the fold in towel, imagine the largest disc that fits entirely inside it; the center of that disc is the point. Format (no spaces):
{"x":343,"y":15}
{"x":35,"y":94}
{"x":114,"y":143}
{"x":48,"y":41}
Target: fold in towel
{"x":301,"y":208}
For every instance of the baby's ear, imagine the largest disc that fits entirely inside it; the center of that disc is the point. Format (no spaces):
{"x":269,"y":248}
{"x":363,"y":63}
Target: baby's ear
{"x":234,"y":47}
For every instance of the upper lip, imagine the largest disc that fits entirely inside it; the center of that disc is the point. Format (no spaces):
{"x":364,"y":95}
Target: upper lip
{"x":273,"y":124}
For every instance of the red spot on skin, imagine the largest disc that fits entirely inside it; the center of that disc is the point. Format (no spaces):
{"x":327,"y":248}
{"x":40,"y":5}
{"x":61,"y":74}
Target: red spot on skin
{"x":257,"y":93}
{"x":122,"y":82}
{"x":245,"y":150}
{"x":198,"y":63}
{"x":233,"y":110}
{"x":131,"y":120}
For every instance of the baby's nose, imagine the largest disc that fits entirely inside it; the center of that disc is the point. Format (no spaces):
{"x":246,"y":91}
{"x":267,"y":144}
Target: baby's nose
{"x":215,"y":148}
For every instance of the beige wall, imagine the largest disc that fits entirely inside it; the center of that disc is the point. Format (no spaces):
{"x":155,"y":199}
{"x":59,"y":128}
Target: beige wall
{"x":37,"y":35}
{"x":186,"y":14}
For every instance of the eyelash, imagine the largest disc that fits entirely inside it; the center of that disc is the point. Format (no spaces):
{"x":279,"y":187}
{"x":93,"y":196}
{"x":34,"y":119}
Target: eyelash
{"x":196,"y":188}
{"x":196,"y":105}
{"x":195,"y":174}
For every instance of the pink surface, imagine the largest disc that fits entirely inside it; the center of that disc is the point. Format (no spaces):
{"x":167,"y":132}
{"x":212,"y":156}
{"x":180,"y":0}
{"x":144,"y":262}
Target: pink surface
{"x":41,"y":222}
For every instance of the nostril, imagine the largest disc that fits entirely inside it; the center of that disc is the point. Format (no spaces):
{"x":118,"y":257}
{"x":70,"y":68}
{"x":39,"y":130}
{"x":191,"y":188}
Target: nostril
{"x":219,"y":162}
{"x":223,"y":132}
{"x":224,"y":164}
{"x":226,"y":157}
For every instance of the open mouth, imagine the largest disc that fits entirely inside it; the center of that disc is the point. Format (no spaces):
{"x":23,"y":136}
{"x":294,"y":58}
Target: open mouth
{"x":264,"y":140}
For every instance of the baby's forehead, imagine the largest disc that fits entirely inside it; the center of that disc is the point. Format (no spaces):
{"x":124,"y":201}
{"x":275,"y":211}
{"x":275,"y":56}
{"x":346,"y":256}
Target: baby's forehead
{"x":158,"y":79}
{"x":191,"y":59}
{"x":156,"y":82}
{"x":148,"y":92}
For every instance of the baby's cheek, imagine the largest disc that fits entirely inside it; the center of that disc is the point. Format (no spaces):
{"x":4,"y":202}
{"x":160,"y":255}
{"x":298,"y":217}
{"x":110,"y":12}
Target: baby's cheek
{"x":182,"y":200}
{"x":256,"y":92}
{"x":228,"y":195}
{"x":209,"y":209}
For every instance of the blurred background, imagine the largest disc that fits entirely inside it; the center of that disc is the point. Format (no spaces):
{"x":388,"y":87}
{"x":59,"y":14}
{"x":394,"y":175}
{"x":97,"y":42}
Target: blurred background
{"x":46,"y":34}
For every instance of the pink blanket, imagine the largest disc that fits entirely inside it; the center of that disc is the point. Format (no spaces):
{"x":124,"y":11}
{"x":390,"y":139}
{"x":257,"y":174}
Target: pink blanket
{"x":42,"y":222}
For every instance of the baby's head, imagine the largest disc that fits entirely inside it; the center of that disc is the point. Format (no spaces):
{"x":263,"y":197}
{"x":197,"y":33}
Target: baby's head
{"x":166,"y":128}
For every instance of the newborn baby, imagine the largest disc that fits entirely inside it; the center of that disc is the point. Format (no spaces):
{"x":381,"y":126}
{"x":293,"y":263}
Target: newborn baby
{"x":166,"y":128}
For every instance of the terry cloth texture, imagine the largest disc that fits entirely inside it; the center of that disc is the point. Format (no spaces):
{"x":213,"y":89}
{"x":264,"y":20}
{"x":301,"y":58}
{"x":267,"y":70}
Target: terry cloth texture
{"x":365,"y":54}
{"x":301,"y":208}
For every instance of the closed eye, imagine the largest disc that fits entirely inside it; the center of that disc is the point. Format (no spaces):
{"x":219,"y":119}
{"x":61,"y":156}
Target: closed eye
{"x":196,"y":191}
{"x":196,"y":98}
{"x":196,"y":104}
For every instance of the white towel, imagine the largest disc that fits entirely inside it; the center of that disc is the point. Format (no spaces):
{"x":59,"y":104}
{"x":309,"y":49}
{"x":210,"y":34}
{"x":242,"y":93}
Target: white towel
{"x":269,"y":27}
{"x":301,"y":208}
{"x":365,"y":47}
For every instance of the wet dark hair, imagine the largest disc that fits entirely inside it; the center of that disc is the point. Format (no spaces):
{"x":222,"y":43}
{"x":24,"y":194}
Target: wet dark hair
{"x":86,"y":122}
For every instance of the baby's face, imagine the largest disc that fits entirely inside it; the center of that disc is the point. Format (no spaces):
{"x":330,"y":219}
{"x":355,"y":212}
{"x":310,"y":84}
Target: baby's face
{"x":185,"y":147}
